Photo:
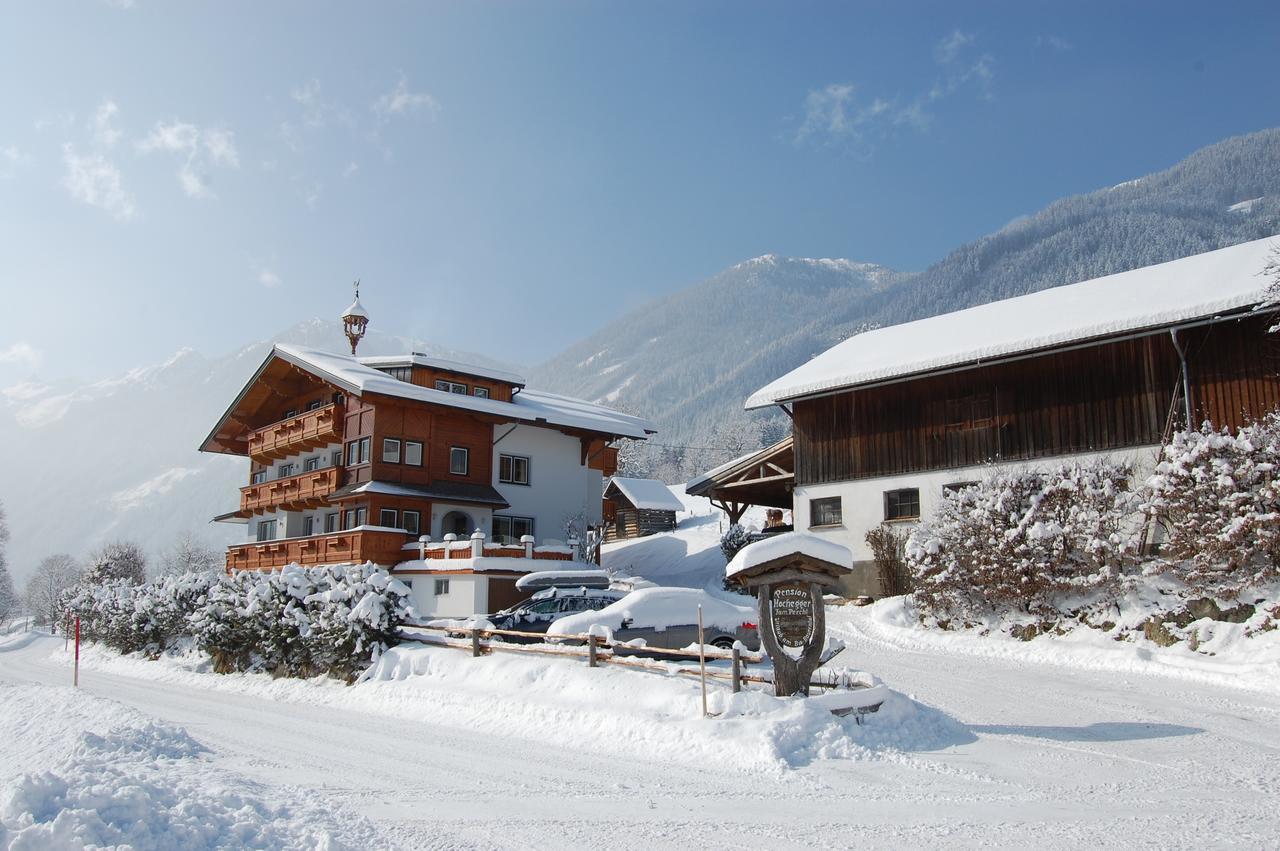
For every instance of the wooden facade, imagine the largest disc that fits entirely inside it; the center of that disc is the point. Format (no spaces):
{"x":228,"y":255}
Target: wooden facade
{"x":1103,"y":396}
{"x":627,"y":522}
{"x":357,"y":545}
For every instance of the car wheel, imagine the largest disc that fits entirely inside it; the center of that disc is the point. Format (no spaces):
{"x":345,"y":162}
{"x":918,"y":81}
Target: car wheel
{"x":723,"y":643}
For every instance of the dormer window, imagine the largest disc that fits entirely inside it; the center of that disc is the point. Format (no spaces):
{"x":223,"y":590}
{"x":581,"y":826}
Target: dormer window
{"x":446,"y":386}
{"x":400,"y":373}
{"x":480,"y":392}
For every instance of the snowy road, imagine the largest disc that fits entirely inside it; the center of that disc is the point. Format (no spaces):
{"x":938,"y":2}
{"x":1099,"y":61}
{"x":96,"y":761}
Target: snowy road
{"x":1058,"y":758}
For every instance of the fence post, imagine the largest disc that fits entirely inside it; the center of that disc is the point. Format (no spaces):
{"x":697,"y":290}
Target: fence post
{"x":477,"y":544}
{"x":527,"y":541}
{"x":475,"y":643}
{"x":75,"y":676}
{"x":422,"y":547}
{"x":737,"y":669}
{"x":591,"y":652}
{"x":702,"y":662}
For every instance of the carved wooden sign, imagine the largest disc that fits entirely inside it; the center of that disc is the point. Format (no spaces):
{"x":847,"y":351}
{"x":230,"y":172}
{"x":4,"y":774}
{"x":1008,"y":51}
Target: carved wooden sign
{"x":791,"y":607}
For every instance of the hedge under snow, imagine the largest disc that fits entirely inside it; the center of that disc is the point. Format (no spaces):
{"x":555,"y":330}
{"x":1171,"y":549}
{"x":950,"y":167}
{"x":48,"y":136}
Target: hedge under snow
{"x":297,"y":621}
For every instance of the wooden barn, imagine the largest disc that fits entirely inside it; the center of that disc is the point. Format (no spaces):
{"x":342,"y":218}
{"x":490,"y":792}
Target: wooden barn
{"x":637,"y":507}
{"x":886,"y":423}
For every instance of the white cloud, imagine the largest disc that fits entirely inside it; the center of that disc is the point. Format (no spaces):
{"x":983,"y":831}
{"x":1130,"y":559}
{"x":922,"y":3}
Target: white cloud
{"x":95,"y":181}
{"x":268,"y":279}
{"x":949,"y":48}
{"x":834,"y":114}
{"x":199,"y":149}
{"x":400,"y":101}
{"x":318,"y":111}
{"x":351,"y":169}
{"x":12,"y":160}
{"x":103,"y":133}
{"x":21,"y":354}
{"x":24,"y":391}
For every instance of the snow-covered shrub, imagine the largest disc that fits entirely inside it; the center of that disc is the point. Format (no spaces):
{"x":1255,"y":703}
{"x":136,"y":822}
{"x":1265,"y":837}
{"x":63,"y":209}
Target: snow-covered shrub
{"x":734,"y":539}
{"x":302,"y":621}
{"x":1216,"y":497}
{"x":149,"y":617}
{"x":1033,"y":541}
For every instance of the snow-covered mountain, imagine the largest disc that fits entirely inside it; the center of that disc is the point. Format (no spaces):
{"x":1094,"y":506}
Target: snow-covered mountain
{"x":118,"y":457}
{"x":690,"y":359}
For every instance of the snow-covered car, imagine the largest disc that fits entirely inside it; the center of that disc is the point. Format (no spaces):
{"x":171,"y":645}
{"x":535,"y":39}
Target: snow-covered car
{"x":668,"y":617}
{"x":538,"y":612}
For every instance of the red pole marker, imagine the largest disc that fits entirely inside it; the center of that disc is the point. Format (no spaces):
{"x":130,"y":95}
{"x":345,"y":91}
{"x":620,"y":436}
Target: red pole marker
{"x":75,"y":677}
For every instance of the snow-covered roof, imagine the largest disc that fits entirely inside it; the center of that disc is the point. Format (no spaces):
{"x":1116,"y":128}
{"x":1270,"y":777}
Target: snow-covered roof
{"x":1153,"y":297}
{"x":648,"y":494}
{"x":419,"y":359}
{"x":528,"y":406}
{"x":785,"y":544}
{"x":356,"y":309}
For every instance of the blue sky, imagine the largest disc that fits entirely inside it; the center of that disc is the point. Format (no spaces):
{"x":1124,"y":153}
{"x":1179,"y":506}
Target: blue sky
{"x":508,"y":177}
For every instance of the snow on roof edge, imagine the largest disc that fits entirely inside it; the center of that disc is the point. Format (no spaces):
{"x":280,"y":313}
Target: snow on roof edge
{"x":648,"y":494}
{"x":1194,"y":287}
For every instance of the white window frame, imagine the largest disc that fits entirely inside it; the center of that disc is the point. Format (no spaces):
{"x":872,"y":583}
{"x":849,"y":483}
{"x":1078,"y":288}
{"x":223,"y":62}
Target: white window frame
{"x":509,"y":521}
{"x":466,"y":461}
{"x":813,"y":520}
{"x":389,"y":456}
{"x":417,"y":521}
{"x":395,"y":518}
{"x":310,"y":465}
{"x":510,"y":462}
{"x":480,"y":392}
{"x":409,"y":447}
{"x":284,"y":471}
{"x":444,"y":385}
{"x":441,"y":587}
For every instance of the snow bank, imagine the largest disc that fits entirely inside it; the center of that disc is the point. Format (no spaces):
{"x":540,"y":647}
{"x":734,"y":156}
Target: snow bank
{"x":661,"y":608}
{"x":1243,"y":655}
{"x":785,"y":544}
{"x":98,"y":774}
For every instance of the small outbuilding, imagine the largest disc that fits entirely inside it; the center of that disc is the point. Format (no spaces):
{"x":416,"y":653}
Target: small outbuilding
{"x":637,"y":507}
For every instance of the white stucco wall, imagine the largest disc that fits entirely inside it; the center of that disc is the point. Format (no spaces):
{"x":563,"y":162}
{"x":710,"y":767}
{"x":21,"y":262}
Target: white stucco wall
{"x":480,"y":518}
{"x":560,"y":485}
{"x":468,"y":595}
{"x":862,"y":500}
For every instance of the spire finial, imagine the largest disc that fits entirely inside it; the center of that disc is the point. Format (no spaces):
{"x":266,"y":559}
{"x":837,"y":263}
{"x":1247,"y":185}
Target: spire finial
{"x":355,"y":319}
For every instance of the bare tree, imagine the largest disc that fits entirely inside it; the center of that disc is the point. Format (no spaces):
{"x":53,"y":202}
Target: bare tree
{"x":190,"y":555}
{"x":1271,"y":299}
{"x":43,"y":594}
{"x":117,"y":560}
{"x":8,"y":597}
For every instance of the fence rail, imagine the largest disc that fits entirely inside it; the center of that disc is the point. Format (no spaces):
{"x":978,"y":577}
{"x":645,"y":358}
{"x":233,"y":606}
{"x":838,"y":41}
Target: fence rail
{"x":595,"y":650}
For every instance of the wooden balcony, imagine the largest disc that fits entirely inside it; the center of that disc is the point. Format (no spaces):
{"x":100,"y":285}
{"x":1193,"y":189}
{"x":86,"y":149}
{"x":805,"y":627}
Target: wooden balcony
{"x":295,"y":493}
{"x":379,"y":546}
{"x":306,"y":431}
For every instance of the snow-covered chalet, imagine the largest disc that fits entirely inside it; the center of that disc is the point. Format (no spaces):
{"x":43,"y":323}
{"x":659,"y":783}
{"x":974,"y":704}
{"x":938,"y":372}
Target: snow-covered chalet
{"x":355,"y":459}
{"x":886,"y":422}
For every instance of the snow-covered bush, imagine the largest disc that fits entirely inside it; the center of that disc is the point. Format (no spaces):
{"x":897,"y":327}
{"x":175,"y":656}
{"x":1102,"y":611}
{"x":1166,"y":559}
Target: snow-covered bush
{"x":1031,"y":541}
{"x":302,"y":621}
{"x":1216,"y":497}
{"x":297,"y":621}
{"x":734,"y":539}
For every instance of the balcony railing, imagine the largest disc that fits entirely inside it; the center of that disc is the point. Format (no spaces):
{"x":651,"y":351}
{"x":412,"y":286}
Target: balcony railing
{"x":306,"y":490}
{"x":380,"y":546}
{"x":304,"y":432}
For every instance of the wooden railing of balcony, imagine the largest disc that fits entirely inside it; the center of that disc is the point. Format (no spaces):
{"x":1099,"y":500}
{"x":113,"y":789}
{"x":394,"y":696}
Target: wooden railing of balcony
{"x":306,"y":431}
{"x":380,"y":546}
{"x":305,"y":490}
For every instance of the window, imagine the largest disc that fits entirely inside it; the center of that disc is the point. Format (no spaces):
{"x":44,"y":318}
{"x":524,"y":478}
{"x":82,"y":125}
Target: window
{"x":258,"y":477}
{"x":267,"y":530}
{"x":410,"y":521}
{"x":389,"y":517}
{"x":970,"y":412}
{"x":353,"y":517}
{"x":451,"y":386}
{"x":413,"y":453}
{"x":902,"y":504}
{"x":956,"y":487}
{"x":284,"y":470}
{"x":513,"y":469}
{"x":314,"y":404}
{"x":401,"y":373}
{"x":390,"y":450}
{"x":509,"y":530}
{"x":358,"y":451}
{"x":459,"y":461}
{"x":544,"y":607}
{"x":331,"y":522}
{"x":311,"y":464}
{"x":337,"y":457}
{"x":308,"y":525}
{"x":292,"y":412}
{"x":442,"y":587}
{"x":825,"y":511}
{"x":480,"y":392}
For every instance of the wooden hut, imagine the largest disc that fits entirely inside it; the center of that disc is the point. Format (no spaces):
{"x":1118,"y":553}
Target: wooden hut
{"x":637,"y":507}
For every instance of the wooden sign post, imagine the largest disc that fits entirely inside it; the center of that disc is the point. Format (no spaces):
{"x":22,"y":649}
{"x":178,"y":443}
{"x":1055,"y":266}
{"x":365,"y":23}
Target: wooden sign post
{"x":789,"y":590}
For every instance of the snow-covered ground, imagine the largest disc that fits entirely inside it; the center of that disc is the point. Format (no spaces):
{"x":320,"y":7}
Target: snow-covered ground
{"x":439,"y":750}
